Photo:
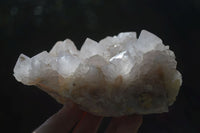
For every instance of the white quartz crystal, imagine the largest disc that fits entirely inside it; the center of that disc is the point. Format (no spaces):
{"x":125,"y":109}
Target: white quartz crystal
{"x":116,"y":76}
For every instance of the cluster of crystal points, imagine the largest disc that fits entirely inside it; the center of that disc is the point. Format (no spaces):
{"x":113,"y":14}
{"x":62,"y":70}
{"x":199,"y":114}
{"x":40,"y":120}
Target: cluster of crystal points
{"x":116,"y":76}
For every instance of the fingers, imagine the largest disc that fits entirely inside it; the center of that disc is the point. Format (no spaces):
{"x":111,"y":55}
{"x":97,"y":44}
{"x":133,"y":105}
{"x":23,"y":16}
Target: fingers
{"x":125,"y":124}
{"x":62,"y":121}
{"x":88,"y":124}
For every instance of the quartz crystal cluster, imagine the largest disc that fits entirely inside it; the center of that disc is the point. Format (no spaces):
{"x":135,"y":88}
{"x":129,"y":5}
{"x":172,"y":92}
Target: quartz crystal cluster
{"x":116,"y":76}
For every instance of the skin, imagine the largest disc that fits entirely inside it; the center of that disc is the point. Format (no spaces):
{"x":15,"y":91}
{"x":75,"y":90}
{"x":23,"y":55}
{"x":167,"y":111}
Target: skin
{"x":70,"y":115}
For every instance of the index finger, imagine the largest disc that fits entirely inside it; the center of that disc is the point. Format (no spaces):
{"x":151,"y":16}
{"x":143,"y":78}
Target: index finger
{"x":63,"y":121}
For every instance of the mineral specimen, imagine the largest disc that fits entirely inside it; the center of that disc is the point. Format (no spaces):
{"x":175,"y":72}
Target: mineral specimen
{"x":116,"y":76}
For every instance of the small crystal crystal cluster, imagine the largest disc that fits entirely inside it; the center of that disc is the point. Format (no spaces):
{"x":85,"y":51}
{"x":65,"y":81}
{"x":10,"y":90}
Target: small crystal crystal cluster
{"x":116,"y":76}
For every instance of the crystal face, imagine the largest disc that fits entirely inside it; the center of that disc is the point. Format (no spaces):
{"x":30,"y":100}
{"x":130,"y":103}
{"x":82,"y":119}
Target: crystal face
{"x":116,"y":76}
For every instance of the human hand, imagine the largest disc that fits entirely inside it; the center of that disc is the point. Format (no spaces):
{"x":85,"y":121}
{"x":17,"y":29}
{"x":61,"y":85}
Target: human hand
{"x":70,"y":115}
